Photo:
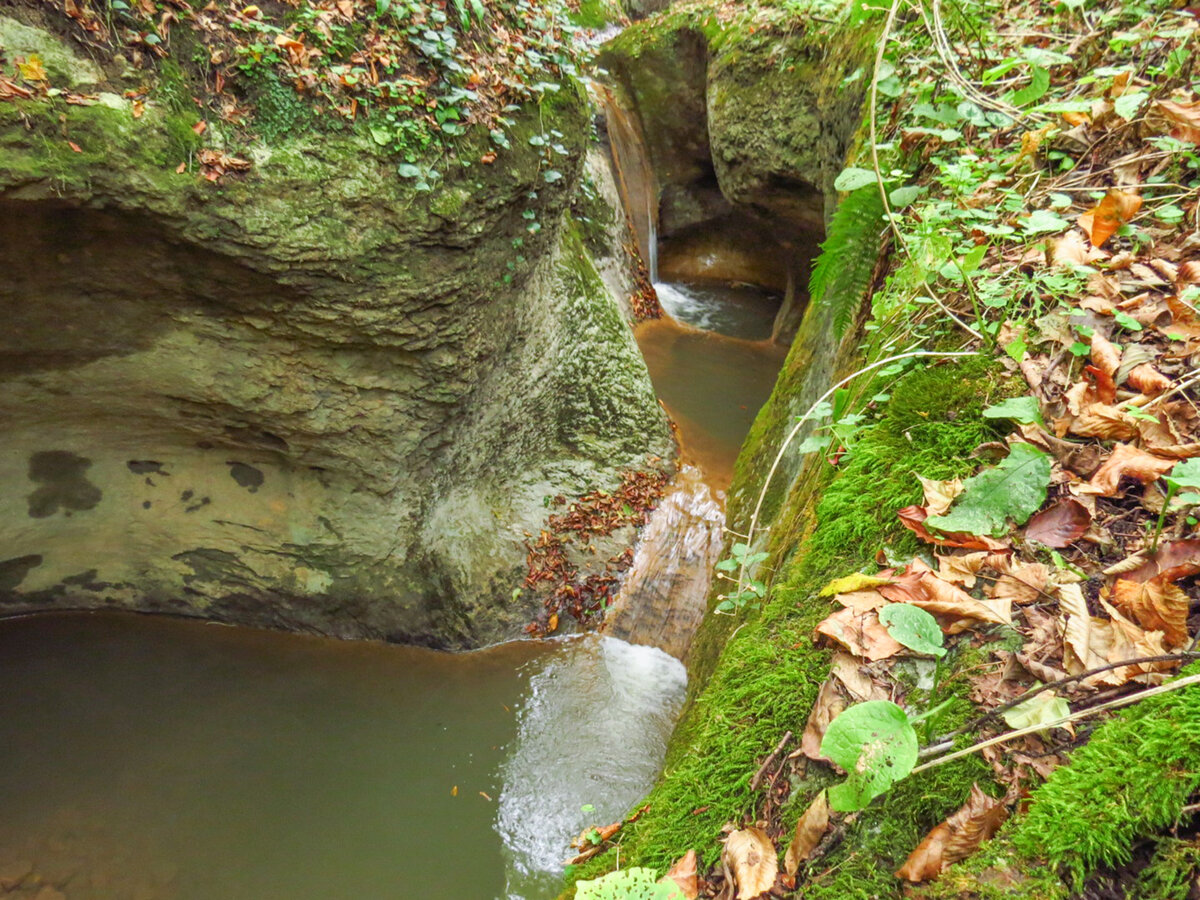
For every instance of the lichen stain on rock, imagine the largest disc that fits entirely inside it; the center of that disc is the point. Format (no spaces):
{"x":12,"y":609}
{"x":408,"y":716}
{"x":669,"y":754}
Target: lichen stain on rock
{"x":13,"y":571}
{"x":64,"y":485}
{"x":246,"y":476}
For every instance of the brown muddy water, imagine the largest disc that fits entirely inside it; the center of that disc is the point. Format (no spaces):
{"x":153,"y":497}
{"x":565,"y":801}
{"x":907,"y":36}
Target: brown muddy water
{"x":713,"y":366}
{"x":148,"y":758}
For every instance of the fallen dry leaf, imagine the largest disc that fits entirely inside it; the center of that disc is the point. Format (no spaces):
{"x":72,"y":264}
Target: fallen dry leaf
{"x":1060,"y":524}
{"x":939,"y":495}
{"x":912,"y":517}
{"x":861,"y":633}
{"x":750,"y":856}
{"x":926,"y":590}
{"x":1174,"y":560}
{"x":683,"y":873}
{"x":1126,"y":461}
{"x":1105,"y":356}
{"x":956,"y":838}
{"x":1156,"y":605}
{"x":964,"y":567}
{"x":1102,"y":220}
{"x":1184,"y":119}
{"x":1149,"y":380}
{"x":1020,"y":582}
{"x":830,"y":703}
{"x":809,"y":831}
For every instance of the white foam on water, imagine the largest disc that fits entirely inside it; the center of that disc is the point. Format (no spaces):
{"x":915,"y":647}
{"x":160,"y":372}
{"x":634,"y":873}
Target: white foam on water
{"x":687,"y":305}
{"x":593,"y":732}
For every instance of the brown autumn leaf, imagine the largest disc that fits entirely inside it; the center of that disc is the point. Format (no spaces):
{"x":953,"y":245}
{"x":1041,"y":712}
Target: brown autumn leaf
{"x":956,"y":838}
{"x":912,"y":517}
{"x":1149,"y":380}
{"x":1184,"y":119}
{"x":683,"y":873}
{"x":1087,"y":640}
{"x":809,"y":831}
{"x":1126,"y":461}
{"x":1102,"y":221}
{"x":1072,"y":250}
{"x":926,"y":590}
{"x":861,"y":633}
{"x":1090,"y":417}
{"x":1131,"y":641}
{"x":750,"y":855}
{"x":830,"y":703}
{"x":963,"y":568}
{"x":1156,"y":605}
{"x":939,"y":495}
{"x":1060,"y":524}
{"x":857,"y":682}
{"x":1105,"y":356}
{"x":1020,"y":582}
{"x":1174,"y":560}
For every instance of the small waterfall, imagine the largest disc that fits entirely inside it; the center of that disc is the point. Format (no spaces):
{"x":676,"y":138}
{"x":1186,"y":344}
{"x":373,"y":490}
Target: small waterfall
{"x":592,"y":736}
{"x":634,"y":174}
{"x":663,"y":598}
{"x":652,"y":243}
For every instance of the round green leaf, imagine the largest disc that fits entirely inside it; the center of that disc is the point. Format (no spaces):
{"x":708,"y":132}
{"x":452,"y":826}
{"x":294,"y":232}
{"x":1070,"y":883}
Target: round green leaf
{"x":876,"y":744}
{"x":913,"y":627}
{"x":1186,"y":475}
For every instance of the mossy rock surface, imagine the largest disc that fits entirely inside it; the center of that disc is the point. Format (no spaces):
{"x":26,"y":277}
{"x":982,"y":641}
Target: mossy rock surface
{"x":307,"y":395}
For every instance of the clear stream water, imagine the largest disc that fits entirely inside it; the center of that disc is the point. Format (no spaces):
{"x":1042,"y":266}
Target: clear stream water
{"x":157,"y":759}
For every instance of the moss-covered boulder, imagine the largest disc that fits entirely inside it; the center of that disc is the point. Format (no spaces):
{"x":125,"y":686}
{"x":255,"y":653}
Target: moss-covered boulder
{"x":305,"y":394}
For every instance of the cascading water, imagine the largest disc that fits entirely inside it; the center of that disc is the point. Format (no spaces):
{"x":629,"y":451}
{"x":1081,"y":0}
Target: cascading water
{"x":591,"y":738}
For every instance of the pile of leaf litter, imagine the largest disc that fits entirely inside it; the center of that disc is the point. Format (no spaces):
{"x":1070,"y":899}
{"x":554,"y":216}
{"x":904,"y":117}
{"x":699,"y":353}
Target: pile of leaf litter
{"x":415,"y":74}
{"x":1050,"y":161}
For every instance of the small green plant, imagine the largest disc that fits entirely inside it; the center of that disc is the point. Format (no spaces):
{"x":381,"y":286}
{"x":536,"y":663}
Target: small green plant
{"x":749,"y":592}
{"x":876,"y":744}
{"x":1184,"y":477}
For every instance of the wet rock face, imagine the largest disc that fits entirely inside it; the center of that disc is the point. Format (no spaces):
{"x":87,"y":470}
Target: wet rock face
{"x":308,"y":399}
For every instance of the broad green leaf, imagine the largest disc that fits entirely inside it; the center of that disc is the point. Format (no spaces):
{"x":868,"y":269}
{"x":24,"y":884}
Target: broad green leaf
{"x":1127,"y":105}
{"x":1044,"y":221}
{"x":855,"y":582}
{"x":1127,"y":321}
{"x":1043,"y":709}
{"x":636,"y":883}
{"x":1186,"y":475}
{"x":913,"y":627}
{"x":1038,"y":85}
{"x":1015,"y":489}
{"x":408,"y":170}
{"x":876,"y":744}
{"x":1020,"y":409}
{"x":902,"y":196}
{"x":853,"y":178}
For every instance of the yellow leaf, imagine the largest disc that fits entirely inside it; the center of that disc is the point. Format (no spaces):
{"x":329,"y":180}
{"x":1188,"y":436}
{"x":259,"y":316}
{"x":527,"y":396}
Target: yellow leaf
{"x":849,"y":583}
{"x":32,"y":69}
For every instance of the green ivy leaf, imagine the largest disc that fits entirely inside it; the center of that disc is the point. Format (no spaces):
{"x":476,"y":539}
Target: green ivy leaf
{"x":1015,"y":489}
{"x":913,"y":627}
{"x":876,"y":744}
{"x":1020,"y":409}
{"x":853,"y":178}
{"x":1127,"y":321}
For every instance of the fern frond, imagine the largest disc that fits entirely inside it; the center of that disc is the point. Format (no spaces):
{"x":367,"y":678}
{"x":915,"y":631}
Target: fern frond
{"x":841,"y":275}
